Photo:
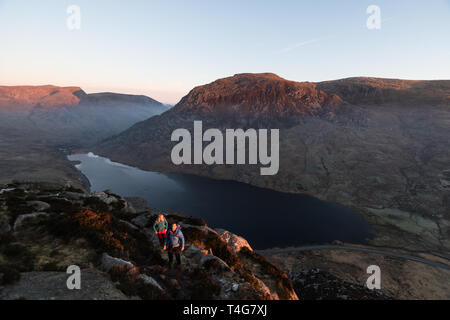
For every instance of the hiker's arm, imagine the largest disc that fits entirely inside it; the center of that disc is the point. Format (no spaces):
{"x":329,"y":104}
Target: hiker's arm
{"x":154,"y":226}
{"x":182,"y":240}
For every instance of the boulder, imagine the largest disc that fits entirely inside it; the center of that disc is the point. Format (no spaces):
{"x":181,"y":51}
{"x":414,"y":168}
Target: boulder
{"x":20,"y":219}
{"x":128,"y":207}
{"x":207,"y":257}
{"x":149,"y":280}
{"x":234,"y":241}
{"x":129,"y":224}
{"x":73,"y":195}
{"x":6,"y":190}
{"x":106,"y":198}
{"x":39,"y":206}
{"x":95,"y":285}
{"x":108,"y":262}
{"x":141,"y":220}
{"x":138,"y":204}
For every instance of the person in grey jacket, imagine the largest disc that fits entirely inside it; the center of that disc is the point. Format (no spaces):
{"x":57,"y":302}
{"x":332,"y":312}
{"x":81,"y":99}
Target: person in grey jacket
{"x":174,"y":243}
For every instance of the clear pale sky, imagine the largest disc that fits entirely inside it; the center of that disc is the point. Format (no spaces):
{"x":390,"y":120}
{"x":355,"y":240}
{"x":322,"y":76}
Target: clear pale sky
{"x":163,"y":48}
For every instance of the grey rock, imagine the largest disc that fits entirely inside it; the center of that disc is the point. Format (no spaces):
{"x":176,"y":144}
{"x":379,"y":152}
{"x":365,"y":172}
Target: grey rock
{"x":235,"y":287}
{"x":106,"y":198}
{"x":39,"y":206}
{"x":128,"y":207}
{"x":149,"y":280}
{"x":234,"y":241}
{"x":6,"y":190}
{"x":108,"y":262}
{"x":95,"y":285}
{"x":207,"y":257}
{"x":138,"y":204}
{"x":73,"y":195}
{"x":129,"y":224}
{"x":20,"y":219}
{"x":141,"y":220}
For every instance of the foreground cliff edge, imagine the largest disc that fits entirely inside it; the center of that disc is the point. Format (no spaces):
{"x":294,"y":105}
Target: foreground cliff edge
{"x":47,"y":227}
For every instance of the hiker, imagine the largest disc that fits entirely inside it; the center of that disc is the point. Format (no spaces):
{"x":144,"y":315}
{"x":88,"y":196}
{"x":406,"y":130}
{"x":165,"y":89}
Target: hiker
{"x":160,"y":226}
{"x":174,"y":243}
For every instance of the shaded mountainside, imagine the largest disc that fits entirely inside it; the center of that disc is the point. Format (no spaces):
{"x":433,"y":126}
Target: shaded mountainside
{"x":67,"y":115}
{"x":38,"y":122}
{"x":44,"y":228}
{"x":378,"y":145}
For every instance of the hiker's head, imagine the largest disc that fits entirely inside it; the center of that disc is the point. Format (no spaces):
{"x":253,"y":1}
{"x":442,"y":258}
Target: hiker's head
{"x":160,"y":217}
{"x":174,"y":226}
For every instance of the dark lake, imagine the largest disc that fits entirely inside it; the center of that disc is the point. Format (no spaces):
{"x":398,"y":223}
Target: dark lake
{"x":264,"y":217}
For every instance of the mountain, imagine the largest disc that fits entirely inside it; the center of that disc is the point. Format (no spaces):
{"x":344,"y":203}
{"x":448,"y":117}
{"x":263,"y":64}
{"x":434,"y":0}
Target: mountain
{"x":67,"y":115}
{"x":378,"y":145}
{"x":258,"y":94}
{"x":36,"y":122}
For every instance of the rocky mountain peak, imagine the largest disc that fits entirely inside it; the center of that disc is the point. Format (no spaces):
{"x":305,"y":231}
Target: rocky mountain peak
{"x":256,"y":94}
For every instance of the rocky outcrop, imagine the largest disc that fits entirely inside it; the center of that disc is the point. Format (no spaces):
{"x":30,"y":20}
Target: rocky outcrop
{"x":234,"y":241}
{"x":23,"y":217}
{"x":150,"y":281}
{"x":75,"y":230}
{"x":258,"y":95}
{"x":95,"y":285}
{"x":39,"y":206}
{"x":108,"y":262}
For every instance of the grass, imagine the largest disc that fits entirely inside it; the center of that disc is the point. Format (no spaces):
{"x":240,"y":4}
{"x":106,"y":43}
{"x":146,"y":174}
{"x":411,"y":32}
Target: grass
{"x":15,"y":258}
{"x":105,"y":233}
{"x":61,"y":205}
{"x":16,"y":207}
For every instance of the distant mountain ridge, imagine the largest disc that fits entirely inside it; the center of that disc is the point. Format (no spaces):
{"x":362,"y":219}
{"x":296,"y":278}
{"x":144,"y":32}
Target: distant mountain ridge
{"x":68,"y":115}
{"x":369,"y":90}
{"x":49,"y":96}
{"x":26,"y":97}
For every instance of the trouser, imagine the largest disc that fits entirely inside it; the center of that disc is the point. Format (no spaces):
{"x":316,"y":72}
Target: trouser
{"x":174,"y":250}
{"x":161,"y":236}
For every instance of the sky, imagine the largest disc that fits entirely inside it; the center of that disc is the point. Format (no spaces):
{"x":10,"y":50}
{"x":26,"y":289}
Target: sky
{"x":164,"y":48}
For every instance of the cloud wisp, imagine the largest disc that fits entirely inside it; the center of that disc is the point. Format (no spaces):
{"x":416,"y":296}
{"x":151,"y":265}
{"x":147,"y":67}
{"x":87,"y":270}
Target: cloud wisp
{"x":300,"y":44}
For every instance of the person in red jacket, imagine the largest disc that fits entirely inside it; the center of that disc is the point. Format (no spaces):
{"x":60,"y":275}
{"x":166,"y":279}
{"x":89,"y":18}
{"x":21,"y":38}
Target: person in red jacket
{"x":160,"y":227}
